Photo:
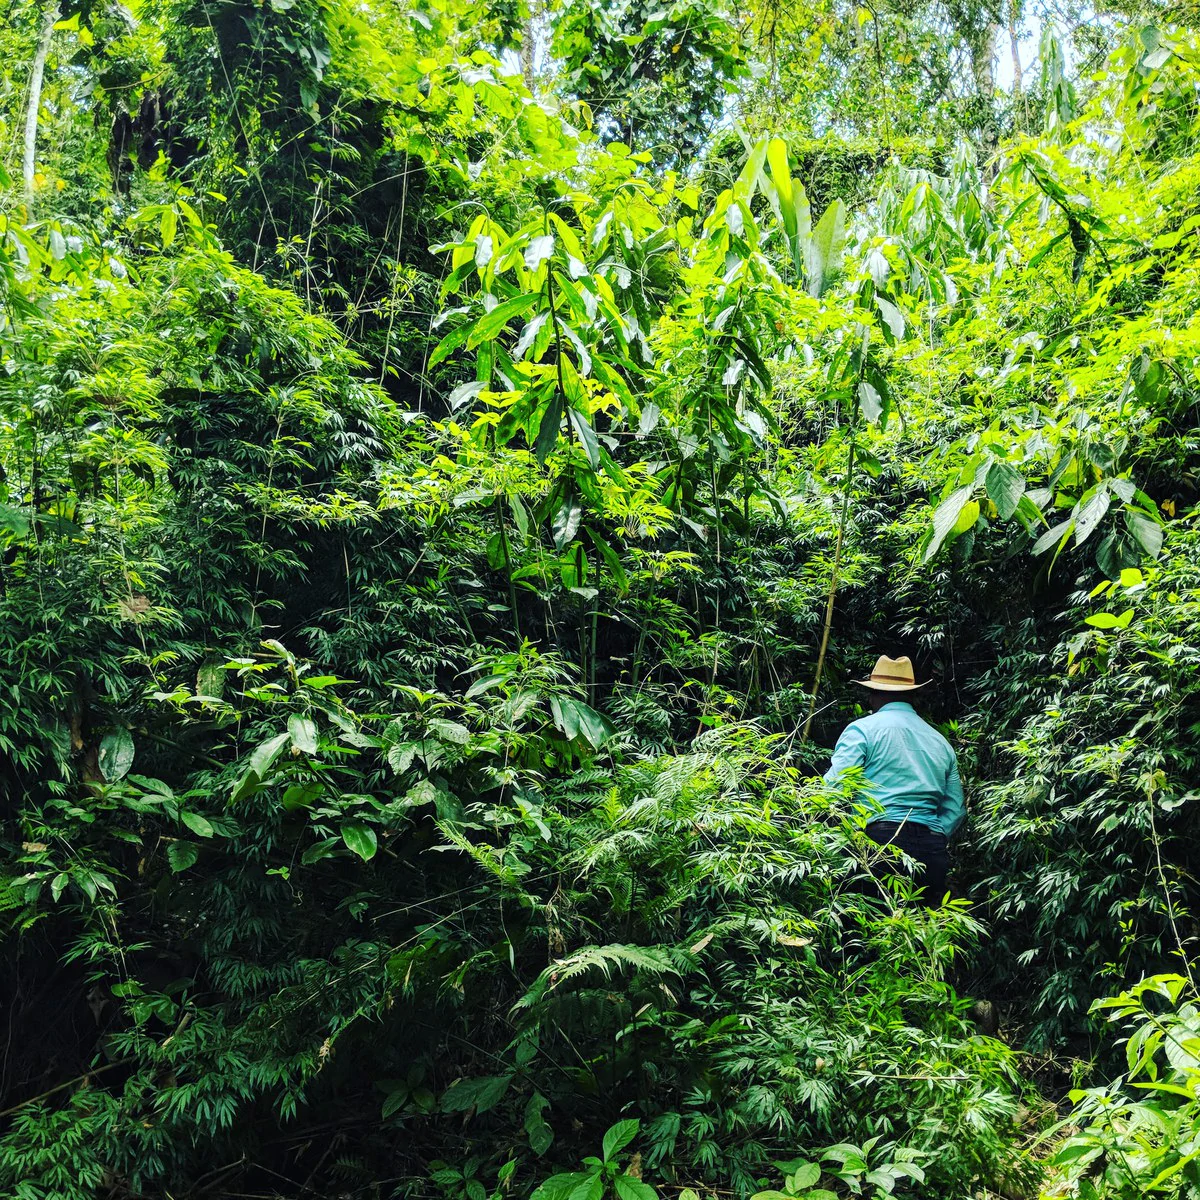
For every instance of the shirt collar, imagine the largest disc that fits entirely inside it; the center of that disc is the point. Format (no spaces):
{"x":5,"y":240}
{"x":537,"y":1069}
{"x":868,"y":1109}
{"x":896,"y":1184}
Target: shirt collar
{"x":897,"y":704}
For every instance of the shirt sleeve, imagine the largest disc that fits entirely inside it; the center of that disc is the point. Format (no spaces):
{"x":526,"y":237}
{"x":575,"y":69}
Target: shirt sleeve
{"x":952,"y":811}
{"x":850,"y":751}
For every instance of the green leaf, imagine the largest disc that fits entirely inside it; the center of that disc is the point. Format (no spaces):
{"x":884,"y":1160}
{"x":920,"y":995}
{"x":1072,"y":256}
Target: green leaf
{"x":303,"y":732}
{"x":576,"y":719}
{"x":541,"y":1136}
{"x":628,"y":1188}
{"x":804,"y":1176}
{"x":566,"y":522}
{"x":559,"y":1187}
{"x":1145,"y":531}
{"x":60,"y":881}
{"x":181,"y":855}
{"x":116,"y":755}
{"x":870,"y":402}
{"x":538,"y":250}
{"x":587,"y":437}
{"x":266,"y":753}
{"x":480,"y":1094}
{"x":824,"y":256}
{"x":168,"y":225}
{"x":618,"y":1137}
{"x":1005,"y":486}
{"x":198,"y":824}
{"x":319,"y":850}
{"x":1107,"y":620}
{"x":1090,"y":512}
{"x":451,"y":342}
{"x":781,"y":179}
{"x":592,"y":1188}
{"x":1052,"y":537}
{"x":945,"y":518}
{"x":300,"y":795}
{"x":491,"y":323}
{"x":549,"y":428}
{"x":248,"y":783}
{"x":14,"y":521}
{"x":449,"y":731}
{"x":360,"y":838}
{"x":893,"y":318}
{"x":966,"y":518}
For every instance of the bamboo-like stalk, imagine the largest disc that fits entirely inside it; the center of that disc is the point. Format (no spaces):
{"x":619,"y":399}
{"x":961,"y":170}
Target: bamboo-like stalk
{"x":36,"y":76}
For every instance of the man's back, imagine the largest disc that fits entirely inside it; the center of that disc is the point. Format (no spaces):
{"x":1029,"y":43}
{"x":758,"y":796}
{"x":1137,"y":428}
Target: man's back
{"x":910,"y":768}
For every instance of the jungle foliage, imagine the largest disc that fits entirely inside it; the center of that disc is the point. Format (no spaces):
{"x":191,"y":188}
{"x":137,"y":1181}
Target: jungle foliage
{"x":453,"y":459}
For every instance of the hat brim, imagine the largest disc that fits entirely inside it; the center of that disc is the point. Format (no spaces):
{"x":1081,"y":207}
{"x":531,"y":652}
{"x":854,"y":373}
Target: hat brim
{"x":891,"y":687}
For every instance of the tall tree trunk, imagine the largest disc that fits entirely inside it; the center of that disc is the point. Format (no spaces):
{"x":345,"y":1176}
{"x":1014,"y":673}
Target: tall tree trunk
{"x":983,"y":67}
{"x":35,"y":100}
{"x":529,"y":45}
{"x":1013,"y":17}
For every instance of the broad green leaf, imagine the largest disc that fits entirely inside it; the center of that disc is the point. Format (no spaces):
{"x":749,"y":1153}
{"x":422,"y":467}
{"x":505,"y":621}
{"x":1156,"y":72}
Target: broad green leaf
{"x":1005,"y":486}
{"x":1145,"y":531}
{"x":559,"y":1187}
{"x":628,"y":1188}
{"x":549,"y":428}
{"x":266,"y":753}
{"x":618,"y":1137}
{"x":576,"y":719}
{"x":586,"y":435}
{"x":303,"y":732}
{"x":361,"y":839}
{"x":824,"y":256}
{"x":870,"y":402}
{"x":181,"y":855}
{"x":804,"y":1176}
{"x":116,"y":755}
{"x":300,"y":795}
{"x":491,"y":323}
{"x":566,"y":522}
{"x":648,"y":421}
{"x":464,"y":393}
{"x":481,"y":1094}
{"x":945,"y":517}
{"x":449,"y":731}
{"x":1106,"y":620}
{"x":319,"y":850}
{"x":538,"y":250}
{"x":14,"y":521}
{"x":199,"y":825}
{"x":1052,"y":537}
{"x":893,"y":318}
{"x":1090,"y":512}
{"x":966,"y":518}
{"x":529,"y":334}
{"x":541,"y":1136}
{"x":591,"y":1189}
{"x":451,"y":342}
{"x":781,"y":179}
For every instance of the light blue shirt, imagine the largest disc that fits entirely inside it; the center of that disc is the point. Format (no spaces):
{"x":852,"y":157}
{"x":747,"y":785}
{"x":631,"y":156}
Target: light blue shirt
{"x":909,"y":768}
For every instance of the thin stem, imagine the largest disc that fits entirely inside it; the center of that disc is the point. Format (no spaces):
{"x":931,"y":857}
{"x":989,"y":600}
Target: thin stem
{"x":836,"y":575}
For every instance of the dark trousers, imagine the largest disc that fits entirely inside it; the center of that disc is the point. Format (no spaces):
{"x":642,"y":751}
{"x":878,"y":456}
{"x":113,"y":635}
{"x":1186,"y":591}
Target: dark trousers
{"x":921,"y":843}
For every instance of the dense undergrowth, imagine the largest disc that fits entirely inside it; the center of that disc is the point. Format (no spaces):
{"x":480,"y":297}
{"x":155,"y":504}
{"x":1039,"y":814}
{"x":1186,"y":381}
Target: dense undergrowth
{"x":437,"y":536}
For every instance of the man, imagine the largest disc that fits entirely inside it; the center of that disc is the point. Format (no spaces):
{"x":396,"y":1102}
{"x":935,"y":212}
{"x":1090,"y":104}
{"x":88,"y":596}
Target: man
{"x":910,"y":771}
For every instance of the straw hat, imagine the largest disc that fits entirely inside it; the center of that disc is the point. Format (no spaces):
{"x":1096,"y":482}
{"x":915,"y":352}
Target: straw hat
{"x":892,"y":675}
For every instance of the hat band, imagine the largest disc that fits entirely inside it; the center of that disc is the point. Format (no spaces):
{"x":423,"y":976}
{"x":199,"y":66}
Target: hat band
{"x":878,"y":678}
